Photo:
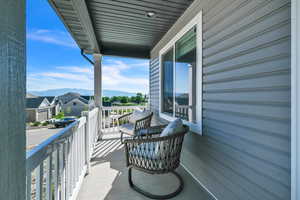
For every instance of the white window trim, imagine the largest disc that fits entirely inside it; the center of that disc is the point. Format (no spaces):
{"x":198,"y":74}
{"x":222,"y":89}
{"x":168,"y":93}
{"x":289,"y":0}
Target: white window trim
{"x":197,"y":20}
{"x":295,"y":101}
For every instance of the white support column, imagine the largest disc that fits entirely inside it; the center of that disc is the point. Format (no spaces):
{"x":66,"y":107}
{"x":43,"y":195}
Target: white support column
{"x":98,"y":79}
{"x":295,"y":109}
{"x":98,"y":86}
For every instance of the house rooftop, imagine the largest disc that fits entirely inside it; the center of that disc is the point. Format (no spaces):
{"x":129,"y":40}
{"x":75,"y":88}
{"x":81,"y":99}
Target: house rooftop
{"x":34,"y":102}
{"x":49,"y":98}
{"x":83,"y":100}
{"x":86,"y":97}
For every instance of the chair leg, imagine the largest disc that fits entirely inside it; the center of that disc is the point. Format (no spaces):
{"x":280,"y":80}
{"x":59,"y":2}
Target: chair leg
{"x":153,"y":196}
{"x":122,"y":142}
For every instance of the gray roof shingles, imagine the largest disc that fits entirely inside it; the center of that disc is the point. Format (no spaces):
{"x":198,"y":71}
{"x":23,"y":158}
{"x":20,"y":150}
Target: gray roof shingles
{"x":34,"y":102}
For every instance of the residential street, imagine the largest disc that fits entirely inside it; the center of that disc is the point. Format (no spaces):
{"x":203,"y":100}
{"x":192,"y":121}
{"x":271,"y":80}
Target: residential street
{"x":36,"y":136}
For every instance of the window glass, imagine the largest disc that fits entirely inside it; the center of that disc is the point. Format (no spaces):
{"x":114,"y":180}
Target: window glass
{"x":185,"y":65}
{"x":167,"y":82}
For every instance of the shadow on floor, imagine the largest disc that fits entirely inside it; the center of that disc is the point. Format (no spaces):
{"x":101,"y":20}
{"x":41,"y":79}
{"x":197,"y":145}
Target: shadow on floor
{"x":108,"y":178}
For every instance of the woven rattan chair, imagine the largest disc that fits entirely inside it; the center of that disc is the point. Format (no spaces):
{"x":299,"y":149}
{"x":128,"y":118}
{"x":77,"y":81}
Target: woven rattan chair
{"x":133,"y":129}
{"x":155,"y":155}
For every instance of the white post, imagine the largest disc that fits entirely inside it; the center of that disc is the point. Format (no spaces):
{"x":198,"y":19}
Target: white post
{"x":87,"y":140}
{"x":98,"y":86}
{"x":295,"y":109}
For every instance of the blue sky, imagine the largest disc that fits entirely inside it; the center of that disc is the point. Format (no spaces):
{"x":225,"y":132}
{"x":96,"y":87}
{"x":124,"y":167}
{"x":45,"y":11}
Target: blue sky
{"x":54,"y":60}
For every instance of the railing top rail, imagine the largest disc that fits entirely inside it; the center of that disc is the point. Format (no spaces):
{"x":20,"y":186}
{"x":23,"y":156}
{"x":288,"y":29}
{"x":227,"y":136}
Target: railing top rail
{"x":121,"y":107}
{"x":43,"y":150}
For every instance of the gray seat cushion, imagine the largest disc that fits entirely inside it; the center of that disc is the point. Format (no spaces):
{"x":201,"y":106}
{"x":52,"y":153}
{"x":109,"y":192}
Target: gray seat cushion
{"x":137,"y":115}
{"x":174,"y":127}
{"x":127,"y":128}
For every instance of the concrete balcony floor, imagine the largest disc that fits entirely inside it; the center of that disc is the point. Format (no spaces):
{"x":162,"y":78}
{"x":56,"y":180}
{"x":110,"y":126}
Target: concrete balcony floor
{"x":108,"y":178}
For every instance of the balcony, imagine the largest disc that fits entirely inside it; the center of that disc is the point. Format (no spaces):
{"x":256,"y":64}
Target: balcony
{"x":81,"y":162}
{"x":247,"y":111}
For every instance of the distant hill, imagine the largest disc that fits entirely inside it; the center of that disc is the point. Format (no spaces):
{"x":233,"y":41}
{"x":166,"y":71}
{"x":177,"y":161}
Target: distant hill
{"x":58,"y":92}
{"x":28,"y":95}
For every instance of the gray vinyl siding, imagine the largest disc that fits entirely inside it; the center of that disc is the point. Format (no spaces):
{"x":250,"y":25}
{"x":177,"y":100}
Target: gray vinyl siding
{"x":12,"y":104}
{"x":244,"y":152}
{"x":154,"y":85}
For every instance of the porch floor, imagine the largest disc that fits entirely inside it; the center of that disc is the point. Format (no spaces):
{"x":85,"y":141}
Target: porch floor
{"x":108,"y":177}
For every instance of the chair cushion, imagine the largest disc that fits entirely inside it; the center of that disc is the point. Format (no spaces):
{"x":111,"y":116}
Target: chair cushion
{"x":127,"y":128}
{"x":137,"y":115}
{"x":174,"y":127}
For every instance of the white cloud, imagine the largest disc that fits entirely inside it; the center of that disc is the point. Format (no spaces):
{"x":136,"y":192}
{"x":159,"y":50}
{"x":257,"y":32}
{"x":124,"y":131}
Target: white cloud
{"x":77,"y":69}
{"x":51,"y":36}
{"x":113,"y":78}
{"x":141,"y":64}
{"x":67,"y":76}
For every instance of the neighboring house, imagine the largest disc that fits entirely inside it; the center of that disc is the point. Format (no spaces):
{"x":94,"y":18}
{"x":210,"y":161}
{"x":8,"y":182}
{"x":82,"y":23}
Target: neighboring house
{"x":55,"y":104}
{"x":91,"y":101}
{"x":65,"y":98}
{"x":75,"y":106}
{"x":73,"y":103}
{"x":38,"y":109}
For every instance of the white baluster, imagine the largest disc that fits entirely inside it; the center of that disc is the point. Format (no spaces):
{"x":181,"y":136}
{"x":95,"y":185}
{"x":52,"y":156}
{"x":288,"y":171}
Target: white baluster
{"x":28,"y":185}
{"x":49,"y":177}
{"x":39,"y":181}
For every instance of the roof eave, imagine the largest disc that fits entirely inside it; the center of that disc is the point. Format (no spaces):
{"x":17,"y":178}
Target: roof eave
{"x":83,"y":16}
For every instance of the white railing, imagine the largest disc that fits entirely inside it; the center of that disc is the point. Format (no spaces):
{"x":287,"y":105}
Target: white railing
{"x":182,"y":111}
{"x":109,"y":122}
{"x":92,"y":127}
{"x":55,"y":169}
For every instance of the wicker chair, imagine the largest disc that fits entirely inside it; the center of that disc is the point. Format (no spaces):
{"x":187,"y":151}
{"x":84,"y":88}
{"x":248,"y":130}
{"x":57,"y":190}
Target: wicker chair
{"x":133,"y":129}
{"x":155,"y":155}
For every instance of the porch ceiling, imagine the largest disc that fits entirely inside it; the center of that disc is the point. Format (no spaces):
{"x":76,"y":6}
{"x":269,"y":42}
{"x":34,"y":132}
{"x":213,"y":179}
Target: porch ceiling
{"x":118,"y":27}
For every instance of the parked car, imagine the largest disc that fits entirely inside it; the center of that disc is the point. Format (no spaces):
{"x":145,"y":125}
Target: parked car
{"x":64,"y":122}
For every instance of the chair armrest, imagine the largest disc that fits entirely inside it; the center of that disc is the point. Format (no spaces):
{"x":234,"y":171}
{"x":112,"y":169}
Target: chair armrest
{"x":124,"y":118}
{"x":150,"y":140}
{"x":143,"y":123}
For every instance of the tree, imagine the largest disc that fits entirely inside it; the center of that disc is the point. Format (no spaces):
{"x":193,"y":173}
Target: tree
{"x":133,"y":99}
{"x":115,"y":98}
{"x":139,"y":98}
{"x":124,"y":99}
{"x":60,"y":115}
{"x":106,"y":99}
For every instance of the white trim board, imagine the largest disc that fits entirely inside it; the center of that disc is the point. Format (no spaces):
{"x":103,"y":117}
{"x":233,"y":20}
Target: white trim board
{"x":196,"y":21}
{"x":295,"y":106}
